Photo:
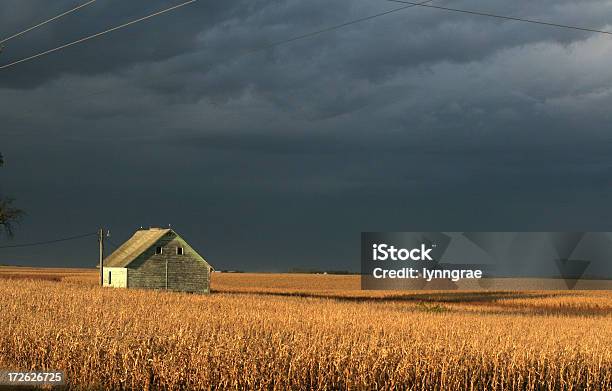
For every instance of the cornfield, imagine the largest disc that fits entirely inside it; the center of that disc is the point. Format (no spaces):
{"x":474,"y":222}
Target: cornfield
{"x":303,"y":332}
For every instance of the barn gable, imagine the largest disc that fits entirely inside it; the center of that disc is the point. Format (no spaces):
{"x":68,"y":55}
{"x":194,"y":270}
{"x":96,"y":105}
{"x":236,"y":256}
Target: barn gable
{"x":140,"y":242}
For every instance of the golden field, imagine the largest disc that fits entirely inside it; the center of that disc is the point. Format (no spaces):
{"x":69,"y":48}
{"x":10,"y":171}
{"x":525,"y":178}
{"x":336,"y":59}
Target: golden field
{"x":291,"y":331}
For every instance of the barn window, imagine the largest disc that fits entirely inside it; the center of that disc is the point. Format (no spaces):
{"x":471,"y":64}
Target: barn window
{"x":109,"y":278}
{"x":158,"y":250}
{"x":179,"y":251}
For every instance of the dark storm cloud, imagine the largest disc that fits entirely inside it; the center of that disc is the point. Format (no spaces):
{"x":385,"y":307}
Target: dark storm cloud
{"x":418,"y":120}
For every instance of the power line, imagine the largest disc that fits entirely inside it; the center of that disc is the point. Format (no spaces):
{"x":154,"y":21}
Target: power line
{"x":47,"y":21}
{"x":292,"y":39}
{"x":49,"y":241}
{"x":115,"y":245}
{"x":336,"y":27}
{"x":279,"y":43}
{"x":81,"y":40}
{"x":550,"y":24}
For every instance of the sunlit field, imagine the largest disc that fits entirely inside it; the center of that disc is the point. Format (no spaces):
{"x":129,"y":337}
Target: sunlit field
{"x":297,"y":331}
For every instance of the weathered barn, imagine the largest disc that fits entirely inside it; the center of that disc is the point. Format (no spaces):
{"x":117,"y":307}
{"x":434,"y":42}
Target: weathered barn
{"x":157,"y":258}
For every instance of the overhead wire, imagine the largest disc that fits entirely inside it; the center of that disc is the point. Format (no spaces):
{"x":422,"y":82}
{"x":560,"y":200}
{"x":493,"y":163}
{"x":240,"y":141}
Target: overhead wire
{"x":49,"y":241}
{"x":336,"y":27}
{"x":517,"y":19}
{"x":112,"y":243}
{"x":89,"y":37}
{"x":280,"y":42}
{"x":47,"y":21}
{"x":292,"y":39}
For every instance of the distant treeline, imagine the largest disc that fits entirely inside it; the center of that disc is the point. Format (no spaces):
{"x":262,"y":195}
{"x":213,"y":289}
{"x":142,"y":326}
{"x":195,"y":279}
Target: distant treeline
{"x":297,"y":271}
{"x":319,"y":271}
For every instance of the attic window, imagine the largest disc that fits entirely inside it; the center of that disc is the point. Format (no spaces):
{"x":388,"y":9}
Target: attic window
{"x":158,"y":250}
{"x":179,"y":251}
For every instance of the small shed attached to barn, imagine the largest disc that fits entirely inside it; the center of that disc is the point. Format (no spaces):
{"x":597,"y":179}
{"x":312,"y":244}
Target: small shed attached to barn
{"x":157,"y":258}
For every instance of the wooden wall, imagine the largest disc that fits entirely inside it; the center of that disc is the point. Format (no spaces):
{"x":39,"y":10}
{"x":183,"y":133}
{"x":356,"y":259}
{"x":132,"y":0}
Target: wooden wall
{"x":186,"y":273}
{"x":118,"y":277}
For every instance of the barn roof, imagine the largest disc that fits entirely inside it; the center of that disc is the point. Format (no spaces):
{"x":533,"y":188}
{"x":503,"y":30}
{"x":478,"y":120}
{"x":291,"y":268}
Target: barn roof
{"x":134,"y":246}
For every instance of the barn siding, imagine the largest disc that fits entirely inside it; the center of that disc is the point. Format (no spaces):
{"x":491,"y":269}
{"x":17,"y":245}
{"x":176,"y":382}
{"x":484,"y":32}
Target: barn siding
{"x":187,"y":272}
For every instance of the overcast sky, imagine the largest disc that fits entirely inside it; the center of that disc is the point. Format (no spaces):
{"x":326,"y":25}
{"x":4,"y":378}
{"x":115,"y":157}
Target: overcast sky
{"x":265,"y":160}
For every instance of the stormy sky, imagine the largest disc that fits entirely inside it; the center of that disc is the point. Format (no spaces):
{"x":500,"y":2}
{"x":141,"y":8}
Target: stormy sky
{"x":269,"y":157}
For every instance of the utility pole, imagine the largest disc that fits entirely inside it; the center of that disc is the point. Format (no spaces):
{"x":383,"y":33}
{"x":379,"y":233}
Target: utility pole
{"x":101,"y":242}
